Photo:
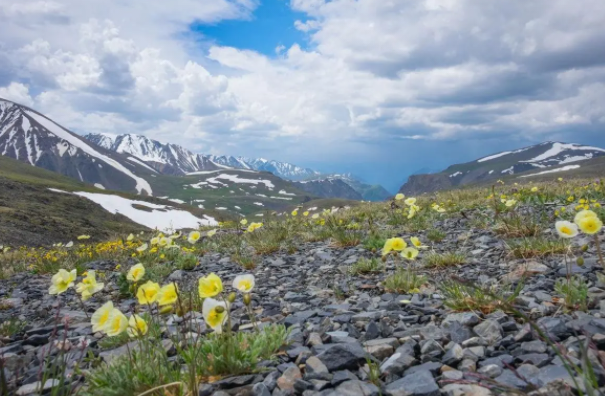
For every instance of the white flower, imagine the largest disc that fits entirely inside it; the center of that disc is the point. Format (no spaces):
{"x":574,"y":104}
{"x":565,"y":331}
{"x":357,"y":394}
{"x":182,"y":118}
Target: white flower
{"x":215,"y":313}
{"x":244,"y":283}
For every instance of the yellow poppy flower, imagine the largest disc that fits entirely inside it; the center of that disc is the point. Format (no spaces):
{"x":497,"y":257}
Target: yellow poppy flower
{"x":89,"y":286}
{"x":194,"y":236}
{"x":211,"y":233}
{"x":168,"y":294}
{"x":100,"y":317}
{"x":116,"y":324}
{"x":590,"y":225}
{"x":244,"y":283}
{"x":61,"y":281}
{"x":210,"y":286}
{"x":135,"y":273}
{"x":566,"y":229}
{"x":416,"y":242}
{"x":410,"y":201}
{"x":215,"y":313}
{"x":294,"y":213}
{"x":399,"y":197}
{"x":137,"y":326}
{"x":409,"y":253}
{"x":148,"y":293}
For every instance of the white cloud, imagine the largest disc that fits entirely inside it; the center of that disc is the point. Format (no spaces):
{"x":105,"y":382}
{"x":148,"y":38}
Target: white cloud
{"x":17,"y":92}
{"x":415,"y":70}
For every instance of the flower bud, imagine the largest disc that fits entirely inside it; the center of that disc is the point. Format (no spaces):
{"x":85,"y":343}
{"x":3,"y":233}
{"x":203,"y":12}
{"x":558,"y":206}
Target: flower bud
{"x":247,"y":299}
{"x":166,"y":309}
{"x":373,"y":250}
{"x":584,"y":248}
{"x":384,"y":259}
{"x":580,"y":261}
{"x":219,"y":309}
{"x":231,"y":297}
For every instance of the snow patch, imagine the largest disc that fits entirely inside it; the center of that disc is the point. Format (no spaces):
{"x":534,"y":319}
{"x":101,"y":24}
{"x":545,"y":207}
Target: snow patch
{"x":100,"y":186}
{"x":176,"y":200}
{"x":558,"y":148}
{"x":221,"y":208}
{"x":136,"y":160}
{"x":563,"y":169}
{"x":161,"y":217}
{"x":237,"y":179}
{"x":510,"y":170}
{"x":491,"y":157}
{"x":259,"y":203}
{"x":283,"y":192}
{"x":456,"y":174}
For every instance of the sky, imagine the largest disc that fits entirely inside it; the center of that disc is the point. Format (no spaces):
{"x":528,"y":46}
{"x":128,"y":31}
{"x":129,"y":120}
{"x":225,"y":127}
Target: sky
{"x":381,"y":89}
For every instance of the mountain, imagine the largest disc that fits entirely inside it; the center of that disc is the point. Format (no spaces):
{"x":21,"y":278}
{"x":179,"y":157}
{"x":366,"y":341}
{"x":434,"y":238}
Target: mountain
{"x":329,"y":188}
{"x":544,"y":158}
{"x":31,"y":137}
{"x":368,"y":192}
{"x":168,"y":159}
{"x":174,"y":159}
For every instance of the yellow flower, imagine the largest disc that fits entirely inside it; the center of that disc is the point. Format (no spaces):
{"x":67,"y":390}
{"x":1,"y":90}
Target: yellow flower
{"x":534,"y":189}
{"x":100,"y":317}
{"x":142,"y":248}
{"x":306,"y":213}
{"x":215,"y":313}
{"x":566,"y":229}
{"x":416,"y":242}
{"x":154,"y":241}
{"x":89,"y":286}
{"x":165,"y":242}
{"x":410,"y":201}
{"x":130,"y":237}
{"x":560,"y":179}
{"x":393,"y":244}
{"x":510,"y":203}
{"x":194,"y":236}
{"x":570,"y":198}
{"x":61,"y":281}
{"x":210,"y":286}
{"x":137,"y":326}
{"x":590,"y":225}
{"x":168,"y":294}
{"x":116,"y":324}
{"x":211,"y":233}
{"x":584,"y":214}
{"x":135,"y":273}
{"x":315,"y":216}
{"x":148,"y":293}
{"x":294,"y":213}
{"x":409,"y":253}
{"x":243,"y":222}
{"x":254,"y":226}
{"x":83,"y":237}
{"x":399,"y":197}
{"x":244,"y":283}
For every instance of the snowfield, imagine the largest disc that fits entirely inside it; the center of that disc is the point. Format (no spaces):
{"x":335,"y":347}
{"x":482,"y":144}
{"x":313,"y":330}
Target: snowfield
{"x":237,"y":179}
{"x":161,"y":217}
{"x":563,"y":169}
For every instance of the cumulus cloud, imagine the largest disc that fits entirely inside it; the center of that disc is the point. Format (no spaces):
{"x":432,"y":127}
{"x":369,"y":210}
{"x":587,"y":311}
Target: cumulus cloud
{"x":405,"y":71}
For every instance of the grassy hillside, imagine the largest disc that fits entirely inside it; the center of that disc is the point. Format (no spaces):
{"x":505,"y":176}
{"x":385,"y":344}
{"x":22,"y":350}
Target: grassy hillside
{"x":238,"y":191}
{"x":31,"y":214}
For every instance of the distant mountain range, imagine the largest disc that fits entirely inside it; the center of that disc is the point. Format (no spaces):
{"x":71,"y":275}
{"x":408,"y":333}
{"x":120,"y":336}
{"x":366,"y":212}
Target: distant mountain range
{"x":541,"y":159}
{"x":134,"y":163}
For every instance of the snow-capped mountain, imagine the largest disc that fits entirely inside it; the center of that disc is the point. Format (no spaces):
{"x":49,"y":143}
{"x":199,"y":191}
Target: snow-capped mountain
{"x":547,"y":157}
{"x":28,"y":136}
{"x":168,"y":159}
{"x":174,"y":159}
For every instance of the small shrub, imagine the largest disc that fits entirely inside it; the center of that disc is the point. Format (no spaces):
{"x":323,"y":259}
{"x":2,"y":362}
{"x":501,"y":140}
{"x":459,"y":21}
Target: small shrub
{"x":186,"y":261}
{"x":443,"y":260}
{"x":536,"y":247}
{"x":404,"y":281}
{"x":517,"y":227}
{"x":574,"y":292}
{"x":435,"y":235}
{"x":374,"y":242}
{"x":464,"y":297}
{"x":235,"y":354}
{"x":11,"y":327}
{"x":367,"y":266}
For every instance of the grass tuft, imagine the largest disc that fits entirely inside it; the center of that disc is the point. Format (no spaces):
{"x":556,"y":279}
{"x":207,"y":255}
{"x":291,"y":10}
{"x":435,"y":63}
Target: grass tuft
{"x":404,"y":281}
{"x":434,"y":259}
{"x":367,"y":266}
{"x":536,"y":247}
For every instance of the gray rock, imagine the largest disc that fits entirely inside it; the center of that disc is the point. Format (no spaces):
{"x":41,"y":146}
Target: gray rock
{"x":37,"y":387}
{"x":342,"y":376}
{"x":315,"y":369}
{"x":432,"y":367}
{"x":288,"y":378}
{"x":453,"y":356}
{"x":463,"y":318}
{"x":489,"y":330}
{"x":491,"y":370}
{"x":343,"y":356}
{"x":420,"y":383}
{"x":465,"y":390}
{"x":260,"y":389}
{"x":497,"y":360}
{"x":397,"y":364}
{"x":381,"y":348}
{"x":356,"y":388}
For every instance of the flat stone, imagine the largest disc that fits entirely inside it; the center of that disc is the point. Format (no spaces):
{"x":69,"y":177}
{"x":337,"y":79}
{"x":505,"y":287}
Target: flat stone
{"x":315,"y":369}
{"x":420,"y":383}
{"x":343,"y":356}
{"x":465,"y":390}
{"x":453,"y":356}
{"x":288,"y":378}
{"x":36,"y":387}
{"x":489,"y":330}
{"x":357,"y":388}
{"x":397,"y":364}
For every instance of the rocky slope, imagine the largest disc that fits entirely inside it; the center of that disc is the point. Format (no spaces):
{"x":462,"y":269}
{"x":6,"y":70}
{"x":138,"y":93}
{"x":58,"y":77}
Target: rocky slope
{"x":539,"y":159}
{"x":421,"y":348}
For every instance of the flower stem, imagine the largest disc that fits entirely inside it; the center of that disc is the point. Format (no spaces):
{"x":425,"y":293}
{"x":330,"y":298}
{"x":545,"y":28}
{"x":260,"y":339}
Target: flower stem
{"x":599,"y":252}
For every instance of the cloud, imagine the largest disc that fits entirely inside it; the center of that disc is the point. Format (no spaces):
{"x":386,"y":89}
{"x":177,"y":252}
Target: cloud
{"x":400,"y":71}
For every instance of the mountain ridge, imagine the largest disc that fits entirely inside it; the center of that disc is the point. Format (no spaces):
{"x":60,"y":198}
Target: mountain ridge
{"x":543,"y":158}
